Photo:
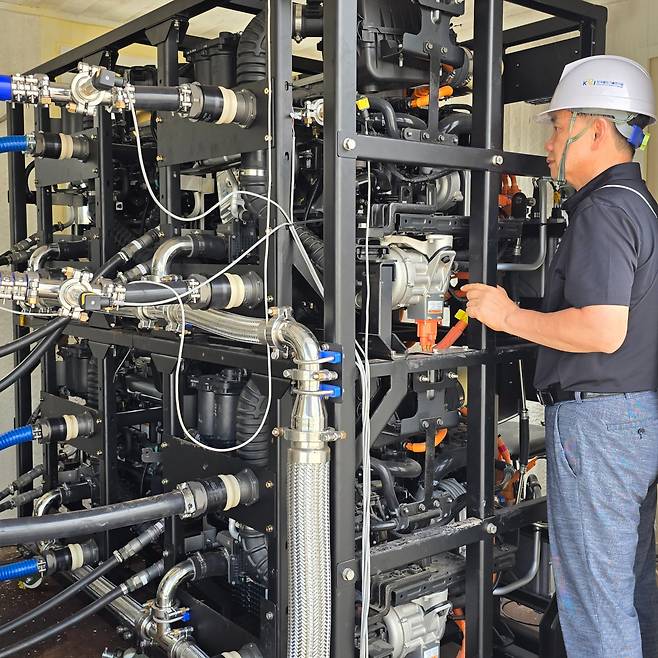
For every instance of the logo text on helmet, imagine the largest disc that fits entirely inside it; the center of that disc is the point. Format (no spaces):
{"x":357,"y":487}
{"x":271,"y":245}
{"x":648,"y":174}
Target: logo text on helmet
{"x":603,"y":83}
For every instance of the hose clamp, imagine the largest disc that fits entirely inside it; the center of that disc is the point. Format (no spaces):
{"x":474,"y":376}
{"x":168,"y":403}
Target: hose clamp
{"x":188,"y":500}
{"x":185,"y":99}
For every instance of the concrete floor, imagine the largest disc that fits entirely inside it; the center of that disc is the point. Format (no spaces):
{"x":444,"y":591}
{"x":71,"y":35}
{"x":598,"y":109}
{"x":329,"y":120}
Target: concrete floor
{"x":88,"y":640}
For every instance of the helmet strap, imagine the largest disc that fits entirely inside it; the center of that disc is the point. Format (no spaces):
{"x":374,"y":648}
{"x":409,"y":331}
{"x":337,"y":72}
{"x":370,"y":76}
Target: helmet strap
{"x":561,"y":175}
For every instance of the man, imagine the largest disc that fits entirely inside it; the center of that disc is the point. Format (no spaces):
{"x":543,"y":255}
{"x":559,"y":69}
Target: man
{"x":597,"y":367}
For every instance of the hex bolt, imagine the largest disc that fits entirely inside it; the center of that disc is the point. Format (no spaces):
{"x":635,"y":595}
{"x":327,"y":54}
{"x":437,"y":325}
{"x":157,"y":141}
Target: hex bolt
{"x":325,"y":346}
{"x":269,"y":484}
{"x":422,"y":507}
{"x":424,"y":424}
{"x":165,"y":481}
{"x":429,"y":45}
{"x":269,"y":528}
{"x":277,"y":431}
{"x":269,"y":616}
{"x":348,"y":574}
{"x":452,"y":375}
{"x":490,"y":528}
{"x":444,"y":51}
{"x":436,"y":503}
{"x":349,"y":143}
{"x":99,"y":453}
{"x":424,"y":378}
{"x":164,"y":444}
{"x":497,"y":160}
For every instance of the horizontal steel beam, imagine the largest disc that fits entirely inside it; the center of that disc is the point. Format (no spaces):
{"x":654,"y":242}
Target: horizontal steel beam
{"x":544,"y":29}
{"x":133,"y":32}
{"x":399,"y":151}
{"x":576,"y":10}
{"x":435,"y":540}
{"x":232,"y":356}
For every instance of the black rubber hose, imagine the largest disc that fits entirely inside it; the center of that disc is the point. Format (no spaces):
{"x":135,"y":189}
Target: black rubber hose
{"x":23,"y":480}
{"x":57,"y":599}
{"x":251,"y":66}
{"x":109,"y":266}
{"x":161,"y":99}
{"x":457,"y":123}
{"x":30,"y":362}
{"x":382,"y":526}
{"x":26,"y":530}
{"x":148,"y":293}
{"x":379,"y":104}
{"x":139,"y":580}
{"x":410,"y":121}
{"x":33,"y":336}
{"x":254,"y":546}
{"x":147,"y":536}
{"x":251,"y":408}
{"x":423,"y":178}
{"x":384,"y":474}
{"x":313,"y":244}
{"x":79,"y":616}
{"x":403,"y":468}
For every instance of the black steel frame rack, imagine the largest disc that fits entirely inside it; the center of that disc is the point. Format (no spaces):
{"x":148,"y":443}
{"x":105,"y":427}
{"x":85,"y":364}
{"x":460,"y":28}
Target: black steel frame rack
{"x":166,"y":29}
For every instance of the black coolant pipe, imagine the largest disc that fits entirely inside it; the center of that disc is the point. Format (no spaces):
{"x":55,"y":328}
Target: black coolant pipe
{"x":127,"y":253}
{"x":457,"y":123}
{"x":33,"y":336}
{"x":251,"y":408}
{"x":217,"y":493}
{"x":251,"y":66}
{"x":134,"y":546}
{"x":30,"y":362}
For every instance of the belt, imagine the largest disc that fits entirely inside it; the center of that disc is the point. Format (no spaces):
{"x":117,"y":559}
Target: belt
{"x":555,"y":394}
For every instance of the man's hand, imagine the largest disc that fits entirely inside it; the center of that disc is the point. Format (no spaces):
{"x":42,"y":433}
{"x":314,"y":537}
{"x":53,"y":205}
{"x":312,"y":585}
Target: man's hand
{"x":489,"y":305}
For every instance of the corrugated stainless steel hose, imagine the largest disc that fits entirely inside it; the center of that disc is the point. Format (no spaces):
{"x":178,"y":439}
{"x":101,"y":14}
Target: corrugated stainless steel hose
{"x":309,"y":633}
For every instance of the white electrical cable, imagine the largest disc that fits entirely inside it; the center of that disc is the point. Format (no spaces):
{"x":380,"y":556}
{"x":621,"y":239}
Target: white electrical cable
{"x":266,"y":238}
{"x":365,"y":436}
{"x":32,"y":313}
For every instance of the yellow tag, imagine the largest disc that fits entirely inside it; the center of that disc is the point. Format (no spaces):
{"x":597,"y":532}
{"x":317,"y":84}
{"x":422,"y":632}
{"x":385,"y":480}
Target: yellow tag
{"x":461,"y":315}
{"x":645,"y":142}
{"x":363,"y":103}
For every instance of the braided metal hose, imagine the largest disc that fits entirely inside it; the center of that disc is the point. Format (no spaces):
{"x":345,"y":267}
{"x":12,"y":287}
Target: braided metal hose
{"x":309,"y":584}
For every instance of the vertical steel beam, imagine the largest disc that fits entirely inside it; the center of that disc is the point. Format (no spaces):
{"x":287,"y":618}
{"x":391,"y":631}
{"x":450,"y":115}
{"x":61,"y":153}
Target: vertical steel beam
{"x":281,"y":259}
{"x":104,"y":247}
{"x":166,"y":38}
{"x":282,"y":125}
{"x":174,"y":537}
{"x":106,"y":358}
{"x":487,"y":133}
{"x":17,"y":232}
{"x":340,"y":21}
{"x":48,"y":375}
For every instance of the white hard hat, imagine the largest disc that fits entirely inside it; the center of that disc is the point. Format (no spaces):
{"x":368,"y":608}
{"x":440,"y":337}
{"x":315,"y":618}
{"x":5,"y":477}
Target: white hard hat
{"x":606,"y":85}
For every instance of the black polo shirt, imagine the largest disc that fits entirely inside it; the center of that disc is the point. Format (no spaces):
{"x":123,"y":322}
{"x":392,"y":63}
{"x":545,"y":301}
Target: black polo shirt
{"x":607,"y":256}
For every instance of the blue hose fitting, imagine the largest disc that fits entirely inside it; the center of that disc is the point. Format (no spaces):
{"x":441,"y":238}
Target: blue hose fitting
{"x":14,"y":144}
{"x":5,"y":88}
{"x":19,"y":569}
{"x":16,"y":436}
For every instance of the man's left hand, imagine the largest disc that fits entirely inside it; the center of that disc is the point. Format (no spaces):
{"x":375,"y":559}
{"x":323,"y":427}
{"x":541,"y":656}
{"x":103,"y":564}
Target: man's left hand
{"x":489,"y":305}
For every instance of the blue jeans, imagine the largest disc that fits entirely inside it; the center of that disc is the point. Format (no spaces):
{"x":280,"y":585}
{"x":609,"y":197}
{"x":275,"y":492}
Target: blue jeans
{"x":602,"y":471}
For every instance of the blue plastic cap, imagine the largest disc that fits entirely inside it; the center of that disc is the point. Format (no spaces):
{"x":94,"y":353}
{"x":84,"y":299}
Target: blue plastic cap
{"x":336,"y":357}
{"x":334,"y":391}
{"x":637,"y":137}
{"x":186,"y":616}
{"x":5,"y":88}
